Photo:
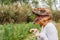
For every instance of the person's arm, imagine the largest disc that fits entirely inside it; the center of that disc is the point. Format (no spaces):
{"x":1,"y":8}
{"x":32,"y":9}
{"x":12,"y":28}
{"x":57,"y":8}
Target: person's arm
{"x":41,"y":36}
{"x":38,"y":35}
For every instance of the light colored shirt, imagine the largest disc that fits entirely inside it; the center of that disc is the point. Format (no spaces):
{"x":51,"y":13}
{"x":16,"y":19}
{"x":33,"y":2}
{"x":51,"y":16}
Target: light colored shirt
{"x":49,"y":32}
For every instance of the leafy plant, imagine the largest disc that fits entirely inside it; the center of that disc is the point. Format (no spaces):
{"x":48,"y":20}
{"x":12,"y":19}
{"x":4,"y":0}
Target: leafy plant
{"x":17,"y":31}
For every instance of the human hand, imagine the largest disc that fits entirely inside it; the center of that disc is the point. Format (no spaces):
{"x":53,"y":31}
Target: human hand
{"x":34,"y":30}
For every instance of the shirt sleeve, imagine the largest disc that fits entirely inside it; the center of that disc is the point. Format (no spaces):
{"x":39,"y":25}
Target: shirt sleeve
{"x":43,"y":36}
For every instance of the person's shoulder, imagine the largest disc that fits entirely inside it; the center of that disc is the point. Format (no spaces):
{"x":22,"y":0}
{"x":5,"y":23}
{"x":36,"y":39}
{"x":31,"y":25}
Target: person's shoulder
{"x":50,"y":25}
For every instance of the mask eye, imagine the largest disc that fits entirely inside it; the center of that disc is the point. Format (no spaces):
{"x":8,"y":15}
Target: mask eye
{"x":42,"y":11}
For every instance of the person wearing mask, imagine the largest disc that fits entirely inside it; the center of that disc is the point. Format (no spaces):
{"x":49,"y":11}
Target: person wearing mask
{"x":44,"y":18}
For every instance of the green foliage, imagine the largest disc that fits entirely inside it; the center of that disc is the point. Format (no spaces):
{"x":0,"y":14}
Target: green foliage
{"x":32,"y":17}
{"x":16,"y":31}
{"x":8,"y":1}
{"x":12,"y":1}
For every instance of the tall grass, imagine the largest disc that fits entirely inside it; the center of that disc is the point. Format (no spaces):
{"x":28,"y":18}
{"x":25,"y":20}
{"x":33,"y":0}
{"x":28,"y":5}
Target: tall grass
{"x":16,"y":31}
{"x":14,"y":13}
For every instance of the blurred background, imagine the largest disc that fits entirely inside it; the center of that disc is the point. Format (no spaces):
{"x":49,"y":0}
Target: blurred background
{"x":16,"y":17}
